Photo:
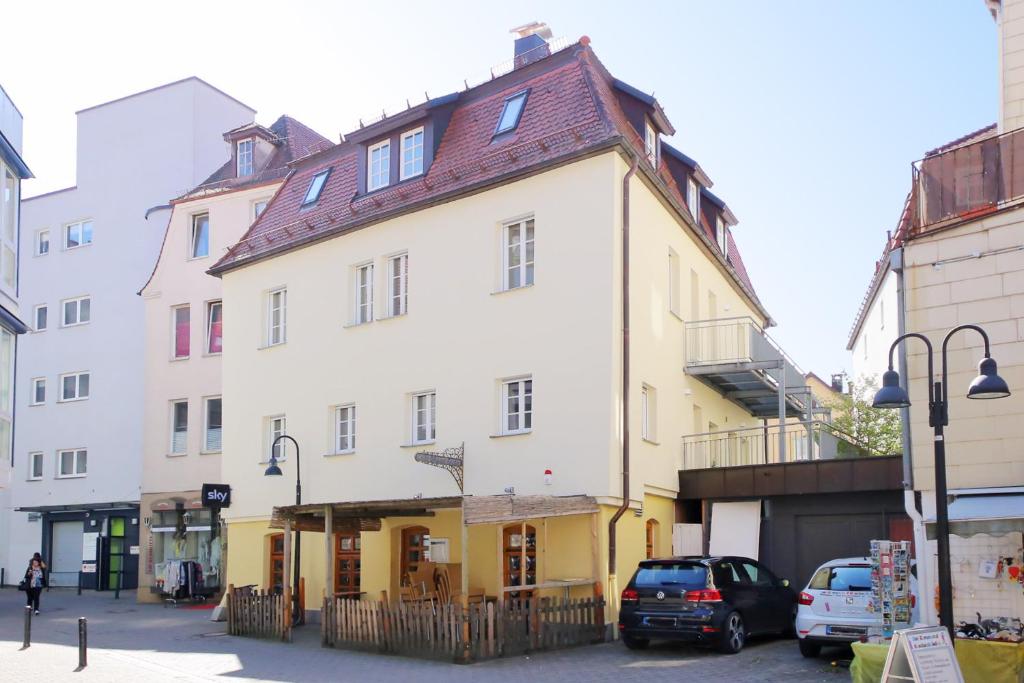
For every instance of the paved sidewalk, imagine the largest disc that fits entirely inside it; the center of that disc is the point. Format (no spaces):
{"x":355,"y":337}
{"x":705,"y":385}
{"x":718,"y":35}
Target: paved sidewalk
{"x":131,"y":642}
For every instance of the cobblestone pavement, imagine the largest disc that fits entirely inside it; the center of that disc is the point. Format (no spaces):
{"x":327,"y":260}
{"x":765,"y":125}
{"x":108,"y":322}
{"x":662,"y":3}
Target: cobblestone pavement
{"x":132,"y":642}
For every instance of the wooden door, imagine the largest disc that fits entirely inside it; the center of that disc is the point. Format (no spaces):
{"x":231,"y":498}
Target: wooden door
{"x":652,"y":538}
{"x":347,"y":563}
{"x":414,"y":547}
{"x":277,"y":563}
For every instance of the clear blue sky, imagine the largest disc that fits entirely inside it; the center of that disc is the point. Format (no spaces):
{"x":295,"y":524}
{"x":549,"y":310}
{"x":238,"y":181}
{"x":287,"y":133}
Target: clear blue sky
{"x":806,"y":115}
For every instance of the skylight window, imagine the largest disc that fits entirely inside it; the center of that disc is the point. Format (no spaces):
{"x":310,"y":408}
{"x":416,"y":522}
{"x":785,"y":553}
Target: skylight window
{"x":316,"y":186}
{"x":511,"y":112}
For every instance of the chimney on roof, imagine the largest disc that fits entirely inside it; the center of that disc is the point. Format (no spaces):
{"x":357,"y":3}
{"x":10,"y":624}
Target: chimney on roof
{"x":837,"y":383}
{"x":531,"y":42}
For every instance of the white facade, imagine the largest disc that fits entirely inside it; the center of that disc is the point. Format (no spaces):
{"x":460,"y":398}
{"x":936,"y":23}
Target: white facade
{"x":12,"y":171}
{"x":133,"y":154}
{"x":870,"y":344}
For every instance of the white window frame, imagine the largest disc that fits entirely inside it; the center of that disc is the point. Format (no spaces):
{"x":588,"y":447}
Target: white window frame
{"x":33,"y":457}
{"x":526,"y":268}
{"x":66,"y":233}
{"x":398,"y":275}
{"x":275,"y":426}
{"x":277,"y":334}
{"x":174,"y":332}
{"x":429,"y":411}
{"x":248,"y":165}
{"x":173,"y":448}
{"x":78,"y":311}
{"x":209,"y":327}
{"x":521,"y":413}
{"x":383,"y":176}
{"x":78,"y":386}
{"x":693,"y":199}
{"x":721,"y":235}
{"x":39,"y":241}
{"x":363,"y":289}
{"x":651,"y":142}
{"x":192,"y":255}
{"x":256,"y":210}
{"x":206,"y":424}
{"x":76,"y":462}
{"x":35,"y":317}
{"x":346,"y":443}
{"x":648,"y":413}
{"x":417,"y":168}
{"x":33,"y":391}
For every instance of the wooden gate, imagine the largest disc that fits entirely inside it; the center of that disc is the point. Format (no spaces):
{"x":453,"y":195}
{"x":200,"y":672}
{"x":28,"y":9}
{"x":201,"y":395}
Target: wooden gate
{"x":263,"y":614}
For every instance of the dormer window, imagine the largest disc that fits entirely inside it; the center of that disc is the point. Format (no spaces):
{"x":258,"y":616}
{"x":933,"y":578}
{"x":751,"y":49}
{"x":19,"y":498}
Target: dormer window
{"x":244,"y":156}
{"x":511,"y":112}
{"x":412,"y":154}
{"x":378,"y":165}
{"x":692,"y":199}
{"x":651,"y":143}
{"x":316,"y":186}
{"x":720,"y":233}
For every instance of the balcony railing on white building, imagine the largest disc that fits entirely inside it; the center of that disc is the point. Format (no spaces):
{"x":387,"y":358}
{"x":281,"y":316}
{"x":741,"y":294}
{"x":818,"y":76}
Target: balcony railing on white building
{"x":763,"y":445}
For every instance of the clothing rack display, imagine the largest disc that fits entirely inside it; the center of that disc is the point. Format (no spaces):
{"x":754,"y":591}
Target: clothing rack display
{"x":181,"y":579}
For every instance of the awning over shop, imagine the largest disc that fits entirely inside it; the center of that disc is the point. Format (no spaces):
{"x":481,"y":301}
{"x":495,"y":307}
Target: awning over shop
{"x":500,"y":509}
{"x":994,"y":514}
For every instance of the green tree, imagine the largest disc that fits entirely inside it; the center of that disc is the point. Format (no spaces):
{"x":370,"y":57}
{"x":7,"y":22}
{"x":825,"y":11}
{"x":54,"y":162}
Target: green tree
{"x":877,"y":429}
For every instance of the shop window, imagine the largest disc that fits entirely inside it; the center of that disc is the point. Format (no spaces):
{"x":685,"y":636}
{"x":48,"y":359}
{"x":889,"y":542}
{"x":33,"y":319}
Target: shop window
{"x":347,"y":565}
{"x":276,"y":572}
{"x":415,"y":548}
{"x":519,"y":558}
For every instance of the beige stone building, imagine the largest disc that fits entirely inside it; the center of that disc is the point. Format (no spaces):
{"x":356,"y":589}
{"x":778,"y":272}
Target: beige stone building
{"x":184,"y":342}
{"x":957,"y":257}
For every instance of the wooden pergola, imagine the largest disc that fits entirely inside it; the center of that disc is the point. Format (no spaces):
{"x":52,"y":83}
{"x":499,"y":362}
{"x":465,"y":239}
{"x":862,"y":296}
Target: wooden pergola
{"x":329,"y":518}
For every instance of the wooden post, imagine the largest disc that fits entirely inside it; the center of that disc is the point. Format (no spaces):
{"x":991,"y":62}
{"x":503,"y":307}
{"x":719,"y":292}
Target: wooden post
{"x":287,"y":580}
{"x":501,"y":564}
{"x":329,"y":549}
{"x":595,"y":563}
{"x":542,"y":556}
{"x":522,"y":555}
{"x":464,"y":593}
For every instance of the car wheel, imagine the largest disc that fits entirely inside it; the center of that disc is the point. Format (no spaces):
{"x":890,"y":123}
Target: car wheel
{"x":733,"y":634}
{"x":635,"y":643}
{"x":810,"y":649}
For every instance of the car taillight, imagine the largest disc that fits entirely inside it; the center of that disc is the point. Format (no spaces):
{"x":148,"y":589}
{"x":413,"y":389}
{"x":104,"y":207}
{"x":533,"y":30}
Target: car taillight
{"x":630,"y":596}
{"x":707,"y":595}
{"x":913,"y":600}
{"x":806,"y":598}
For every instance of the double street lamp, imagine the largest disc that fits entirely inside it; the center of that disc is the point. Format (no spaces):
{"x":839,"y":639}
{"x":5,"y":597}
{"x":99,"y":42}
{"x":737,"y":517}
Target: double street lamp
{"x":274,"y":471}
{"x":987,"y":385}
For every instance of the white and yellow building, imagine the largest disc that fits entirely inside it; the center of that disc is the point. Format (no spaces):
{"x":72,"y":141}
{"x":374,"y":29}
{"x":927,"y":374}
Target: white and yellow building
{"x":184,"y":324}
{"x":451,"y":277}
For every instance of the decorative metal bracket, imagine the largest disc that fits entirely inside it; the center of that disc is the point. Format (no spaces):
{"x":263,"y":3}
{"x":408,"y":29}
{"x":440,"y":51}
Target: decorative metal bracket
{"x":450,"y":459}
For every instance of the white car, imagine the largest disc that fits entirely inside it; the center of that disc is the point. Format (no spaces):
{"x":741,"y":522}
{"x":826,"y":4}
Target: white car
{"x":835,"y":607}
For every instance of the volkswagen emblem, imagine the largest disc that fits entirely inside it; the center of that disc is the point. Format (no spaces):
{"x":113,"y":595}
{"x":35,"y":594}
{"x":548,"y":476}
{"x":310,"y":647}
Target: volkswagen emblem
{"x":660,"y":595}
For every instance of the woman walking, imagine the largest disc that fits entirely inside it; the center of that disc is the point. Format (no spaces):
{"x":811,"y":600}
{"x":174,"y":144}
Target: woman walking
{"x":35,"y":580}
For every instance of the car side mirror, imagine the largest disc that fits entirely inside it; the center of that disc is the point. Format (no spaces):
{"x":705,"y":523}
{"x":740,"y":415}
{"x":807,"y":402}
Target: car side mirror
{"x":784,"y":583}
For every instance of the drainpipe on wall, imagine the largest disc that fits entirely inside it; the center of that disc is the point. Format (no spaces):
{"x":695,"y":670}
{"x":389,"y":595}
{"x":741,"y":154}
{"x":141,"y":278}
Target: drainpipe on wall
{"x":926,"y":609}
{"x":625,"y":370}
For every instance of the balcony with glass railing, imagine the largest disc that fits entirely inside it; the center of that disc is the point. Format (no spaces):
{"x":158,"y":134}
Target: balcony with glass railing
{"x":769,"y":445}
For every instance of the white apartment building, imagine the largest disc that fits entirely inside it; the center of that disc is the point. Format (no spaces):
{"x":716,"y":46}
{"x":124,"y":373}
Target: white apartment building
{"x":88,"y":248}
{"x":12,"y":171}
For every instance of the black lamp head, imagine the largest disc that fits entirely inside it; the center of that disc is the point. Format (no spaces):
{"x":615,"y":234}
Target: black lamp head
{"x":988,"y":383}
{"x":273,"y":470}
{"x":891,"y":395}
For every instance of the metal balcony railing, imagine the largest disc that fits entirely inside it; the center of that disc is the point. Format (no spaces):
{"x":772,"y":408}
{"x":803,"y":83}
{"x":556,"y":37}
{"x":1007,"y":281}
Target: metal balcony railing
{"x":761,"y":446}
{"x":968,"y":181}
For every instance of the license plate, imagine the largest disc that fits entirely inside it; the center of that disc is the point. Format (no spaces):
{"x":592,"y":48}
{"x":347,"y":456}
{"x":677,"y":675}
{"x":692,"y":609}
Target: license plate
{"x":660,"y":621}
{"x":845,"y":631}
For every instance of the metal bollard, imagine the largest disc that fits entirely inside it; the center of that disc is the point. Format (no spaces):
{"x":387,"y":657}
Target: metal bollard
{"x":117,"y":590}
{"x":3,"y":577}
{"x":79,"y":583}
{"x":82,"y":643}
{"x":28,"y":628}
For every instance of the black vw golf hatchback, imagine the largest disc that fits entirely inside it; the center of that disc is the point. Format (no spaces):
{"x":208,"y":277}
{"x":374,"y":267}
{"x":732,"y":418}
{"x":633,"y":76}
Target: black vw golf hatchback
{"x":708,"y":600}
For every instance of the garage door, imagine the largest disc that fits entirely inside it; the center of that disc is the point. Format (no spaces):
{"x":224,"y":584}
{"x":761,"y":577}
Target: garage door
{"x":826,"y":537}
{"x":67,"y":553}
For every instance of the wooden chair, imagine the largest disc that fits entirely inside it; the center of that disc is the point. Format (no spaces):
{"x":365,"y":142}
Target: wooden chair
{"x":449,"y":585}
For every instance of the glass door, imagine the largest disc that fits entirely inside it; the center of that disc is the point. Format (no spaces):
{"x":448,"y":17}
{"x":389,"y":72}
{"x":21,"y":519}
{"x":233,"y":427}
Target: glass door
{"x":116,"y":553}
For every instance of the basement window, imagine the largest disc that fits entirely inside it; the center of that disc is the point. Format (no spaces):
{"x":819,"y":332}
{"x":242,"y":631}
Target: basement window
{"x":316,"y":186}
{"x":511,"y":112}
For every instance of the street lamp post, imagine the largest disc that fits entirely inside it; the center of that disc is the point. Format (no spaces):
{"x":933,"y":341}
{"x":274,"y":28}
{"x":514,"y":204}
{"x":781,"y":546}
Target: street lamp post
{"x":987,"y":385}
{"x":274,"y":471}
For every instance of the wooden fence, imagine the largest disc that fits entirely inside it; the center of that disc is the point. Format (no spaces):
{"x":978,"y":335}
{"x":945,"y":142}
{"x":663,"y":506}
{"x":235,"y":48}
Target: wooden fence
{"x":439,"y":631}
{"x":262,"y":614}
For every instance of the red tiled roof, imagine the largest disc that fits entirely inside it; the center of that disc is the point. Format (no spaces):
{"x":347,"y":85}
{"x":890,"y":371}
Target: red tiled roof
{"x":571,"y":111}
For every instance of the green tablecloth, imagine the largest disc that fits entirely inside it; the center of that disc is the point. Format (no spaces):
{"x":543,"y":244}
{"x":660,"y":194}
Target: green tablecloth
{"x":980,"y":661}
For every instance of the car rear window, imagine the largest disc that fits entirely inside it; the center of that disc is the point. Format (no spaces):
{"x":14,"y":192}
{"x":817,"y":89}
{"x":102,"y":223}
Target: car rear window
{"x":688,"y":574}
{"x":848,"y":578}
